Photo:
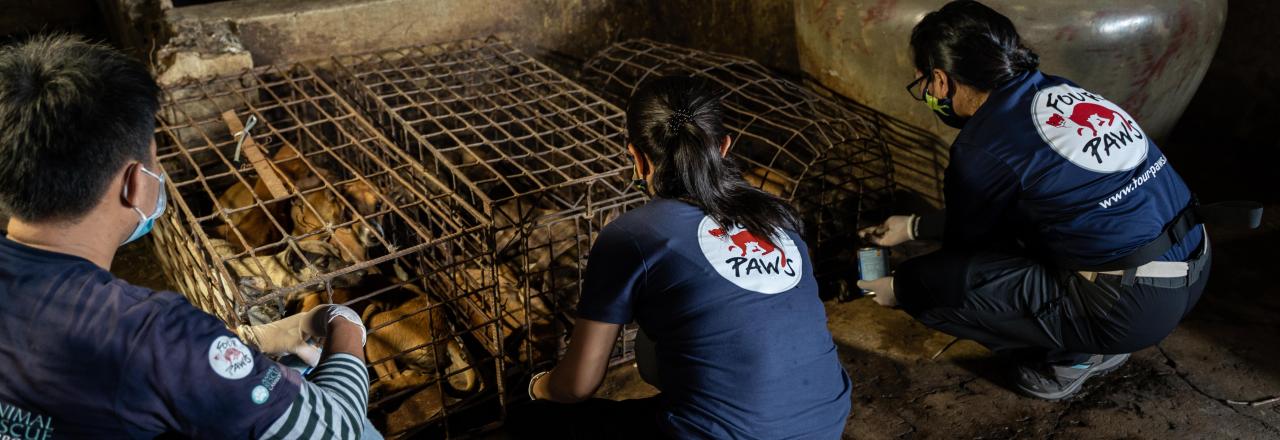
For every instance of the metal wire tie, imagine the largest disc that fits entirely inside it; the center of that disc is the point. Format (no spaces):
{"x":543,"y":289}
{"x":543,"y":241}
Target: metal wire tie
{"x":242,"y":134}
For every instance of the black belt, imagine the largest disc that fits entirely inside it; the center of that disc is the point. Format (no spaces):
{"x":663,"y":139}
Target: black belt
{"x":1235,"y":214}
{"x":1195,"y":269}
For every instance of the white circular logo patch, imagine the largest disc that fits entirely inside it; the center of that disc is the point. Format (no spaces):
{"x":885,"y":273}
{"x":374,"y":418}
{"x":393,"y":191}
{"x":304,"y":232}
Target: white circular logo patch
{"x":230,"y":358}
{"x":750,"y":262}
{"x":1088,"y":130}
{"x":259,"y":394}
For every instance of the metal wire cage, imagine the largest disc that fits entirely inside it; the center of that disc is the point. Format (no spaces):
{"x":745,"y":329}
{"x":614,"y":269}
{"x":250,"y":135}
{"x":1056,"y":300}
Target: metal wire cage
{"x":828,"y":161}
{"x":284,"y":197}
{"x":541,"y":157}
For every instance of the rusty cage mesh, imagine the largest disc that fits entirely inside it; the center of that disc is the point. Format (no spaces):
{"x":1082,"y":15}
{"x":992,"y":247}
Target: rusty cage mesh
{"x":451,"y":192}
{"x":830,"y":162}
{"x":321,"y":208}
{"x":541,"y":157}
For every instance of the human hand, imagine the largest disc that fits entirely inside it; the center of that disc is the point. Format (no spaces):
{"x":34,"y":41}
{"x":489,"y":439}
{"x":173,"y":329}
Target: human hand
{"x":344,"y":332}
{"x":894,"y":231}
{"x":288,"y":335}
{"x":325,"y":319}
{"x":882,"y":291}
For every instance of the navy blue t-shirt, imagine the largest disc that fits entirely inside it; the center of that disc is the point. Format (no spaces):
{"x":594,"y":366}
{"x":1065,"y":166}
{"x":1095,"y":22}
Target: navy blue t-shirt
{"x":86,"y":355}
{"x":743,"y":349}
{"x":1065,"y":171}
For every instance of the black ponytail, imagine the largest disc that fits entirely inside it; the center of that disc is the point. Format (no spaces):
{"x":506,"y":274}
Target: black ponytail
{"x":973,"y":43}
{"x":677,"y":123}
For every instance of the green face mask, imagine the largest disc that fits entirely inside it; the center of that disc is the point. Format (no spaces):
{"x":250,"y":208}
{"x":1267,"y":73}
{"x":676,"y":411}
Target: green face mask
{"x":944,"y":110}
{"x":637,"y":181}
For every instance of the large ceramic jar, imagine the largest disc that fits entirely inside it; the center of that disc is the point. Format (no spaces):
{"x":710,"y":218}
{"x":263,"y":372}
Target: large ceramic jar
{"x":1146,"y":55}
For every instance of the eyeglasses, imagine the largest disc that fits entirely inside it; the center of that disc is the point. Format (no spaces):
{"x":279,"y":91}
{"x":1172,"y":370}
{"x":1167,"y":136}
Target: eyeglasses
{"x":918,"y":82}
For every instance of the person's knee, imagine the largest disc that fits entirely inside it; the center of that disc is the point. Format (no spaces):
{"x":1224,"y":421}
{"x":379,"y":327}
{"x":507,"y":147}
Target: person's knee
{"x":906,"y":284}
{"x":913,"y":283}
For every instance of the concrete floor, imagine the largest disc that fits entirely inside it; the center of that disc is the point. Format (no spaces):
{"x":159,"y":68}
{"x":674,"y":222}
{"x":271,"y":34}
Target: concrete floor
{"x":1225,"y":350}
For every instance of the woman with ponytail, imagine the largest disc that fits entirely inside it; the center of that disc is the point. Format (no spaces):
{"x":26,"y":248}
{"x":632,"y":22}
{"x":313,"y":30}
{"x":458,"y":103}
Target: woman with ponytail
{"x":1068,"y":241}
{"x":715,"y":274}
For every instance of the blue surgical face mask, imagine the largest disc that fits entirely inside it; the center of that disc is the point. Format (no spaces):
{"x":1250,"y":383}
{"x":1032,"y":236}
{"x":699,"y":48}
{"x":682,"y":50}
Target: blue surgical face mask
{"x":147,"y":222}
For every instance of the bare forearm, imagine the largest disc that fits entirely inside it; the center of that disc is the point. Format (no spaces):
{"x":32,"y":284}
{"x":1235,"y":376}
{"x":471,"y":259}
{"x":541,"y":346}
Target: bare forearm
{"x":344,"y":337}
{"x":580,"y":372}
{"x":567,"y":384}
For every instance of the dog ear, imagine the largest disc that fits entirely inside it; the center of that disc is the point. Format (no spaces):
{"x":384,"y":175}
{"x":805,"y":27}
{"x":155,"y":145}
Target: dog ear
{"x":297,"y":263}
{"x":322,"y":254}
{"x":262,"y":314}
{"x":368,"y":235}
{"x":253,"y":286}
{"x":297,"y":212}
{"x":363,"y":198}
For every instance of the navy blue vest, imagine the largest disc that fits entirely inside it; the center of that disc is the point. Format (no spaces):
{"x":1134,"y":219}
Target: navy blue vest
{"x":1065,"y":172}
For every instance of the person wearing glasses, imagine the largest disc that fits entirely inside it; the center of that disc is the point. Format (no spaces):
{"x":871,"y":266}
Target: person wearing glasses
{"x":1068,"y":239}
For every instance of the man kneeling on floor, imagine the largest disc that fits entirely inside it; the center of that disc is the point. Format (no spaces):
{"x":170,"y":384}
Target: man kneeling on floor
{"x":83,"y":353}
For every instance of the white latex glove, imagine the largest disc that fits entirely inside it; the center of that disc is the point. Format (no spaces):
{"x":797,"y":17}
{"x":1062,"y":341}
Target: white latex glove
{"x":895,"y":231}
{"x":291,"y":334}
{"x":882,"y":289}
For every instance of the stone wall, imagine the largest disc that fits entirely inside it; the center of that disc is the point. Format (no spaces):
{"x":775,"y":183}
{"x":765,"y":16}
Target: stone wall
{"x":1148,"y":56}
{"x":763,"y":30}
{"x":1223,"y":145}
{"x":219,"y":36}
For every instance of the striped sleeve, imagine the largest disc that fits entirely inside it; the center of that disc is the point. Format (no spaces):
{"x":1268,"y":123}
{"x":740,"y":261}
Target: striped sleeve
{"x":330,"y":406}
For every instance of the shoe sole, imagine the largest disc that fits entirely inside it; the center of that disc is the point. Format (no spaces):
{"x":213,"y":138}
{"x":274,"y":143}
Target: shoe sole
{"x":1101,"y":370}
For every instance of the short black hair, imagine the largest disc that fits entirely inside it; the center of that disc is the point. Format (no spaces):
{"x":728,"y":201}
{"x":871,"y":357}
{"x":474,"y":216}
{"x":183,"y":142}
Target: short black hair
{"x":973,"y":43}
{"x":72,"y":113}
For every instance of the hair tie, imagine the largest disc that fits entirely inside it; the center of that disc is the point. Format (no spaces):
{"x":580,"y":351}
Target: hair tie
{"x":678,"y":119}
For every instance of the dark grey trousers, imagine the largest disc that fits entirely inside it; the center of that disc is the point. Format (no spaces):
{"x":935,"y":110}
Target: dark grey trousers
{"x":1033,"y":312}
